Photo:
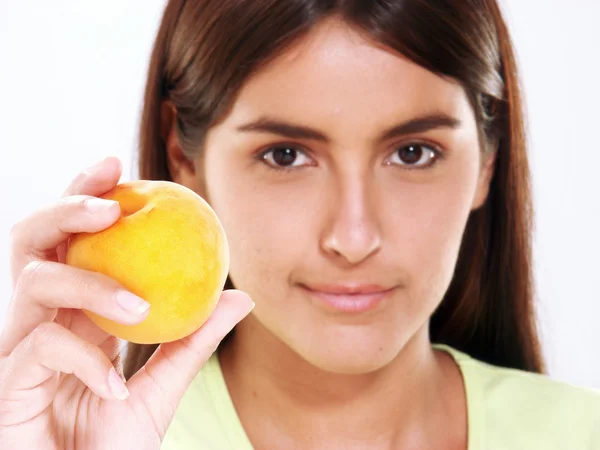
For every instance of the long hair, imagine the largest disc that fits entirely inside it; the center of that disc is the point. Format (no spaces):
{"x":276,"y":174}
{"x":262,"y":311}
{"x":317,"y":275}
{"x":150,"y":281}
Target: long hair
{"x":206,"y":49}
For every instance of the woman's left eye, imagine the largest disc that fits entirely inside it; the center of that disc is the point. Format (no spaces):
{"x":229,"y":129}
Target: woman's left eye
{"x":415,"y":155}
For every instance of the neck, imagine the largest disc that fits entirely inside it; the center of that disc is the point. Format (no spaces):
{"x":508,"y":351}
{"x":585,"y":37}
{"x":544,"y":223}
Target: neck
{"x":397,"y":406}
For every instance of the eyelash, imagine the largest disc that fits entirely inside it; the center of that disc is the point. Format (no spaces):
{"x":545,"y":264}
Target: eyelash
{"x":437,"y":154}
{"x":262,"y":156}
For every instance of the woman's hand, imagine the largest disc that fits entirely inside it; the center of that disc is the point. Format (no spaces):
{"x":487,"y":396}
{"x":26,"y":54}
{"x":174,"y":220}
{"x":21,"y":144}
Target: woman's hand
{"x":61,"y":384}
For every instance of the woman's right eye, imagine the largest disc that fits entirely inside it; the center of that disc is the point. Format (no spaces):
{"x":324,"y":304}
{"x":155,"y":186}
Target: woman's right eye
{"x":285,"y":157}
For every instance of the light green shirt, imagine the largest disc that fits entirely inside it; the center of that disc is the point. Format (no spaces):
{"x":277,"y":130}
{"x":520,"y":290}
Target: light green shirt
{"x":507,"y":409}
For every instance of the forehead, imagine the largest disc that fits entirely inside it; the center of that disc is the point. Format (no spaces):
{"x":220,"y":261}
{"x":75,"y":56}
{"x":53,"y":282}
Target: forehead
{"x":335,"y":71}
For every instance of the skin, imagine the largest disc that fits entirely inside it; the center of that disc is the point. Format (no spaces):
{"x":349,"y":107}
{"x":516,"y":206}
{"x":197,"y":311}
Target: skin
{"x":350,"y":209}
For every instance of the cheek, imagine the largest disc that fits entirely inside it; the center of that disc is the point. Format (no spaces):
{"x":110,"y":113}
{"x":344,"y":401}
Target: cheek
{"x":428,"y":225}
{"x":267,"y":230}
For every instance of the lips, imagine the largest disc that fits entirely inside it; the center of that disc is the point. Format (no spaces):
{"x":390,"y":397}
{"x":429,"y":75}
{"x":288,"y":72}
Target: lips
{"x":348,"y":297}
{"x":348,"y":288}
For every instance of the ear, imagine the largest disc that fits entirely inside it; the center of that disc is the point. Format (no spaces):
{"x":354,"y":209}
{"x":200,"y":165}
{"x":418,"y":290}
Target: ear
{"x":183,"y":170}
{"x":485,"y":178}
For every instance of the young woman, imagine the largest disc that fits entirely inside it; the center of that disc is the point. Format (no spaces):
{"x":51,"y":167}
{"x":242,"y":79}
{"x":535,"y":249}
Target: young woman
{"x":367,"y":160}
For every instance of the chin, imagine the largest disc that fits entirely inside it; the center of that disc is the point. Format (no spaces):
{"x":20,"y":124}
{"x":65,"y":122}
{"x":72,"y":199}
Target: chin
{"x":361,"y":353}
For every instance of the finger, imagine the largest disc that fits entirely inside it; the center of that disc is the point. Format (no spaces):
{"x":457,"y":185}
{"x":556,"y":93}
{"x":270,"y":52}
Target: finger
{"x":97,"y":179}
{"x":43,"y":287}
{"x":37,"y":236}
{"x":81,"y":325}
{"x":94,"y":181}
{"x":170,"y":370}
{"x":51,"y":348}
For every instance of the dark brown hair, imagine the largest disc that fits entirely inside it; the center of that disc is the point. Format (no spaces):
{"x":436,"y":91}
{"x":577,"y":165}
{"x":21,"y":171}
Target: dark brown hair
{"x":206,"y":49}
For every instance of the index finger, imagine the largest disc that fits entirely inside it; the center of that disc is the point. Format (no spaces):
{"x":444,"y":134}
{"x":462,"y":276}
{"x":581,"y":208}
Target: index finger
{"x":97,"y":179}
{"x":43,"y":234}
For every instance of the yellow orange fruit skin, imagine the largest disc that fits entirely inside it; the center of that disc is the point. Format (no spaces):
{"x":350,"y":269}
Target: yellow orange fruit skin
{"x":169,"y":248}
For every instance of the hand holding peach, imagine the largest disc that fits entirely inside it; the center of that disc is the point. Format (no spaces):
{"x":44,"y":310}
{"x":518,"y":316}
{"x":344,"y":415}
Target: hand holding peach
{"x":61,"y":375}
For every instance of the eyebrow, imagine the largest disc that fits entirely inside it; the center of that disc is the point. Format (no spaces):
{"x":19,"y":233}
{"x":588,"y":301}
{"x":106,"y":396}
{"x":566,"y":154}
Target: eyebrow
{"x":417,"y":125}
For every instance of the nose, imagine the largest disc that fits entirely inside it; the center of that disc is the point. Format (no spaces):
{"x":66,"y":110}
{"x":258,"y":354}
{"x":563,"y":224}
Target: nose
{"x":352,"y":230}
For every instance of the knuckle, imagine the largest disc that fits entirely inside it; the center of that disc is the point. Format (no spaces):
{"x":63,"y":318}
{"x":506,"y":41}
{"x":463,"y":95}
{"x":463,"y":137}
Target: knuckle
{"x":77,"y":182}
{"x":88,"y":352}
{"x":80,"y":291}
{"x":15,"y":230}
{"x":91,"y":290}
{"x":17,"y":233}
{"x":31,"y":274}
{"x":40,"y":337}
{"x":71,"y":213}
{"x":205,"y":346}
{"x":70,"y":204}
{"x":89,"y":356}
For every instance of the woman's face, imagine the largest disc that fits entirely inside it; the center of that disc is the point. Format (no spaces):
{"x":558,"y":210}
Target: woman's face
{"x":343,"y":166}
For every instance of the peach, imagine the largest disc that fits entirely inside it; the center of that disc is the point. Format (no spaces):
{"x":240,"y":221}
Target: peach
{"x":169,"y":248}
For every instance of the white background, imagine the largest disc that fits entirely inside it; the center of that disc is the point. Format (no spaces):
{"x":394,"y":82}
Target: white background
{"x":72,"y":75}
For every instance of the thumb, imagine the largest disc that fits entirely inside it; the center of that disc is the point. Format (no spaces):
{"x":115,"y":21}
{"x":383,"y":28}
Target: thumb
{"x":163,"y":380}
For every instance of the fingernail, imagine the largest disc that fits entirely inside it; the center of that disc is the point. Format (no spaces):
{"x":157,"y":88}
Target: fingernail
{"x":116,"y":385}
{"x":98,"y":205}
{"x":132,"y":303}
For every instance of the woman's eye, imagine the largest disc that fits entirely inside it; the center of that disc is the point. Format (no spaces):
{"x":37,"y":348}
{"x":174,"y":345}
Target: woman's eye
{"x":285,"y":157}
{"x":415,"y":155}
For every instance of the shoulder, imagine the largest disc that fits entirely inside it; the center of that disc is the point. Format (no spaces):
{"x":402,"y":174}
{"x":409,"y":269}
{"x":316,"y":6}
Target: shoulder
{"x":529,"y":408}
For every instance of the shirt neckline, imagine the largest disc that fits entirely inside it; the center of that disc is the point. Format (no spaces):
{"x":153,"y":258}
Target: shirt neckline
{"x":238,"y":439}
{"x":224,"y":407}
{"x":473,"y":393}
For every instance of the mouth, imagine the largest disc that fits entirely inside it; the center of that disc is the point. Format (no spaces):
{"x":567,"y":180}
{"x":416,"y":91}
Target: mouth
{"x":352,"y":298}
